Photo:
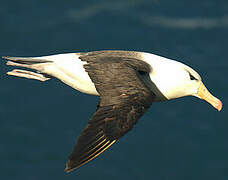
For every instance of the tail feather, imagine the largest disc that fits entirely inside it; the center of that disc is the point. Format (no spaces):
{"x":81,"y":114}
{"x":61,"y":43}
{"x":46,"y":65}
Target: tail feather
{"x":36,"y":64}
{"x":26,"y":60}
{"x":28,"y":74}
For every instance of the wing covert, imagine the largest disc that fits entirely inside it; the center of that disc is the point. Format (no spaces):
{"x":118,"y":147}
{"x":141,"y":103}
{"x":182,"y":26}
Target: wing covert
{"x":124,"y":98}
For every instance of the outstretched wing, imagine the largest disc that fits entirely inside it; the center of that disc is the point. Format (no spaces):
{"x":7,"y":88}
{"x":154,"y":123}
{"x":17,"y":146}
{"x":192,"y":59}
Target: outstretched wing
{"x":124,"y":97}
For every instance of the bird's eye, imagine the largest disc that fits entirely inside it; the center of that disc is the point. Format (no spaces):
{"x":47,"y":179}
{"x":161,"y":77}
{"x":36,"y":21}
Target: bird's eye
{"x":142,"y":72}
{"x":192,"y":77}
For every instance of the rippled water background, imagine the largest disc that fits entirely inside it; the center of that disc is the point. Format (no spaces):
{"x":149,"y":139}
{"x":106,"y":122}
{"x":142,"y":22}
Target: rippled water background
{"x":184,"y":139}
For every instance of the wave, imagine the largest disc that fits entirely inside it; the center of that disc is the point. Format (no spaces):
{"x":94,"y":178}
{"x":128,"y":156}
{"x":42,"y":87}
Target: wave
{"x":186,"y":23}
{"x":92,"y":10}
{"x":81,"y":14}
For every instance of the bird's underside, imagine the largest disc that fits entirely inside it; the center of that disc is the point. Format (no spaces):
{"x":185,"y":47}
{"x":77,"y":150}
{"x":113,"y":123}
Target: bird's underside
{"x":124,"y":98}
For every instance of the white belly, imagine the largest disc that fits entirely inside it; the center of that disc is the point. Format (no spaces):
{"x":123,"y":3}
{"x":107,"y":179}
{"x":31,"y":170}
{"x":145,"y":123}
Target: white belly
{"x":69,"y":69}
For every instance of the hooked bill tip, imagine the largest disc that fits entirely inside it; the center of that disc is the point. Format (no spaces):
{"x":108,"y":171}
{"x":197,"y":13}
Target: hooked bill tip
{"x":219,"y":105}
{"x":203,"y":93}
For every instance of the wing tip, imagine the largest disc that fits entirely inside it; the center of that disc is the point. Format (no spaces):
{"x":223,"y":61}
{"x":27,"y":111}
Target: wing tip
{"x":70,"y":166}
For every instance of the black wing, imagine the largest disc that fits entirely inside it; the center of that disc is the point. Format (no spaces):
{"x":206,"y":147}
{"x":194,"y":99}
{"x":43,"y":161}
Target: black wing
{"x":124,"y":98}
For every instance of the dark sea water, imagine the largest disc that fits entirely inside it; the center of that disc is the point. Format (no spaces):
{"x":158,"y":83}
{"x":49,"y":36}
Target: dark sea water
{"x":184,"y":139}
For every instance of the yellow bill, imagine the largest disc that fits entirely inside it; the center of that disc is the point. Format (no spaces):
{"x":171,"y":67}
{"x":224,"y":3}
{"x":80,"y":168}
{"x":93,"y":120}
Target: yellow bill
{"x":203,"y":93}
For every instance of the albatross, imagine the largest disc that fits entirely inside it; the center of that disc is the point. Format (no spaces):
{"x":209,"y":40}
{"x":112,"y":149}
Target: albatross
{"x":128,"y":82}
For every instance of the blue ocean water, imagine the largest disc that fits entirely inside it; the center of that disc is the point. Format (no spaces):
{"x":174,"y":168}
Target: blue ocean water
{"x":184,"y":139}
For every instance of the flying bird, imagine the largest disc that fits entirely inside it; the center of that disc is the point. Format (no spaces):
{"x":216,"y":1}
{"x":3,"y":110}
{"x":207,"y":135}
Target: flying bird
{"x":128,"y":82}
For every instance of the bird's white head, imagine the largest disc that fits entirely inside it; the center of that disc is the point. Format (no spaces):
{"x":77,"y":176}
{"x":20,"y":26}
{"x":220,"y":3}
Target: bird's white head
{"x":173,"y":79}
